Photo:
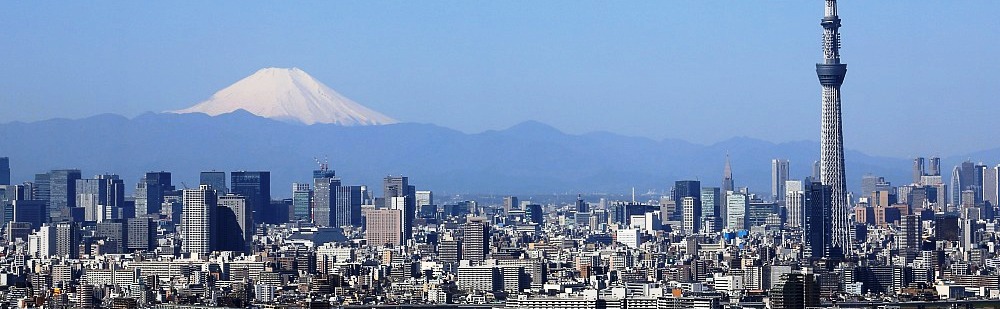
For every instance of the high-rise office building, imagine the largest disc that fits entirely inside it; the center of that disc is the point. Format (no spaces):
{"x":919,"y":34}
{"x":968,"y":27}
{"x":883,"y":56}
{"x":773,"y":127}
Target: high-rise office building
{"x":736,"y":210}
{"x":348,"y":206}
{"x":475,"y":240}
{"x":831,"y":76}
{"x":691,"y":215}
{"x":711,"y":201}
{"x":795,"y":290}
{"x":30,"y":211}
{"x":62,"y":194}
{"x":779,"y":175}
{"x":909,"y":236}
{"x":990,"y":182}
{"x":399,"y":186}
{"x":198,"y":226}
{"x":382,"y":228}
{"x":919,"y":170}
{"x":116,"y":231}
{"x":233,"y":223}
{"x":534,"y":213}
{"x":682,"y":189}
{"x":956,"y":186}
{"x":935,"y":167}
{"x":151,"y":191}
{"x":302,"y":198}
{"x":68,"y":240}
{"x":727,"y":177}
{"x":4,"y":171}
{"x":256,"y":188}
{"x":869,"y":184}
{"x":141,"y":234}
{"x":424,"y":197}
{"x":91,"y":195}
{"x":818,"y":221}
{"x":215,"y":179}
{"x":324,"y":198}
{"x":794,"y":203}
{"x":510,"y":203}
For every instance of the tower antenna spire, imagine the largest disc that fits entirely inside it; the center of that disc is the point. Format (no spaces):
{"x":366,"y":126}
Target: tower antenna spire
{"x":831,"y":75}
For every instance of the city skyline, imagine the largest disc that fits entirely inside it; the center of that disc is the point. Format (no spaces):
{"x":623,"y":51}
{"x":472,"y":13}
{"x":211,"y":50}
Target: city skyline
{"x":667,"y":47}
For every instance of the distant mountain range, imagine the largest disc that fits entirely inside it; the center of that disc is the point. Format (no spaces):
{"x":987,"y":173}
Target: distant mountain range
{"x":281,"y":120}
{"x":530,"y":157}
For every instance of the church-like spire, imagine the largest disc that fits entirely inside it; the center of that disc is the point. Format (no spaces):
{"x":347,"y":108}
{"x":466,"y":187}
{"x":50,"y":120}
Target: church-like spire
{"x":727,"y":176}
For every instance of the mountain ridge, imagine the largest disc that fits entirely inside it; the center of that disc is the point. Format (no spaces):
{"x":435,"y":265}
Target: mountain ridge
{"x":527,"y":158}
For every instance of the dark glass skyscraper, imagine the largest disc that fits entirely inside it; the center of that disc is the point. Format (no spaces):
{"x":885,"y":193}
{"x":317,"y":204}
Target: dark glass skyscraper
{"x":818,"y":221}
{"x":348,"y":206}
{"x":686,"y":188}
{"x":256,"y":188}
{"x":62,"y":194}
{"x":215,"y":179}
{"x":4,"y":171}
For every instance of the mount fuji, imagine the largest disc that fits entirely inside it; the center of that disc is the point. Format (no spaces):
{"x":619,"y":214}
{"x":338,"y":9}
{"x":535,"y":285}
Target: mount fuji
{"x":288,"y":95}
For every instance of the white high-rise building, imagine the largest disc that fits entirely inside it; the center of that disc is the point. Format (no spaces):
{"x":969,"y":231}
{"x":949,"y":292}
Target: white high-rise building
{"x":42,"y":243}
{"x":628,"y":237}
{"x":691,"y":215}
{"x":794,"y":203}
{"x":779,"y":175}
{"x":424,"y":197}
{"x":197,"y":220}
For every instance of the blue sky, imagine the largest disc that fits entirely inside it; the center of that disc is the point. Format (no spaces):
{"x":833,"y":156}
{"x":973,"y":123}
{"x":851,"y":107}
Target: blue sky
{"x":921,"y":80}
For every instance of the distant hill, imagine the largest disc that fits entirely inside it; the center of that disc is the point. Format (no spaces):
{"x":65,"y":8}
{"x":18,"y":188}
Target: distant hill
{"x":528,"y":158}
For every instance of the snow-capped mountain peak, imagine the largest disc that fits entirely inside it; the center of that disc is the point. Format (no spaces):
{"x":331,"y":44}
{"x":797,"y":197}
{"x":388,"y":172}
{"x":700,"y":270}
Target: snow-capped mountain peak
{"x":289,"y":95}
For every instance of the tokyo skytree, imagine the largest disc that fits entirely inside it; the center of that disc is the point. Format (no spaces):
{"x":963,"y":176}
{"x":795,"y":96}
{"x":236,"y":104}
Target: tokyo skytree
{"x":831,"y":75}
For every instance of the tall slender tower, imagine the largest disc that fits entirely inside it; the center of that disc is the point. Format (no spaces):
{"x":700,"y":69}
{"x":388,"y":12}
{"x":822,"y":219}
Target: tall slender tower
{"x":831,"y":75}
{"x":727,"y":177}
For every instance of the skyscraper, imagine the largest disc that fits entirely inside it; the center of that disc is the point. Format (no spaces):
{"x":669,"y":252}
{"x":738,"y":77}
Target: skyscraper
{"x":682,"y":189}
{"x":324,"y":211}
{"x":818,"y":222}
{"x":691,"y":215}
{"x":141,"y":234}
{"x":62,"y":194}
{"x":510,"y":203}
{"x":794,"y":203}
{"x":399,"y":186}
{"x":382,"y":228}
{"x":348,"y":206}
{"x":990,"y":183}
{"x":918,"y":169}
{"x":935,"y":167}
{"x":4,"y":171}
{"x":475,"y":241}
{"x":711,"y":200}
{"x":727,"y":177}
{"x":233,"y":224}
{"x":68,"y":240}
{"x":302,"y":198}
{"x":779,"y":175}
{"x":215,"y":179}
{"x":736,"y":211}
{"x":256,"y":188}
{"x":831,"y":75}
{"x":198,"y":226}
{"x":91,"y":195}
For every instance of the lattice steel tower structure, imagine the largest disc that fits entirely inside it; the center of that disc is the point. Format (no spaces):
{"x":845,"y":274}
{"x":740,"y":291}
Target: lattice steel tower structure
{"x":831,"y":75}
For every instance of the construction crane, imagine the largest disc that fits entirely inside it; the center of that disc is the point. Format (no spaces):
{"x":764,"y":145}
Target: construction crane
{"x":323,"y":165}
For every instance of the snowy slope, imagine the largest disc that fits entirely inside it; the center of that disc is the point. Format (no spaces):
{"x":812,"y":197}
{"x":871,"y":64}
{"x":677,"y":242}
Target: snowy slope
{"x":289,"y":95}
